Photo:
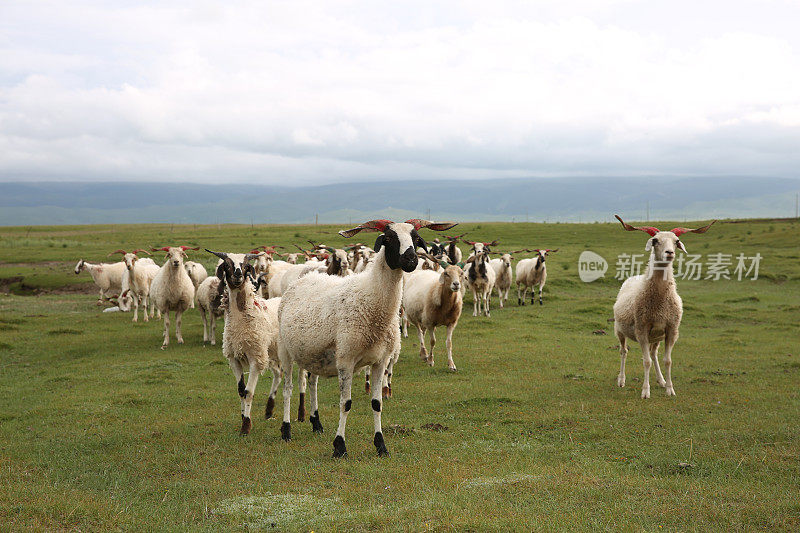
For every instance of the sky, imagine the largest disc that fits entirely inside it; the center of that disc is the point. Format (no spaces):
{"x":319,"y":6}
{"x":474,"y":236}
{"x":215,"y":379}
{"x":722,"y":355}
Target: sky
{"x":298,"y":92}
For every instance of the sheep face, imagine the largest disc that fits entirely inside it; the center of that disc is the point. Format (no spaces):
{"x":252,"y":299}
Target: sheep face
{"x":175,"y":257}
{"x":130,"y":260}
{"x":451,"y":277}
{"x":80,"y":266}
{"x":235,"y":275}
{"x":338,"y":263}
{"x":662,"y":246}
{"x":506,"y":258}
{"x":400,"y":241}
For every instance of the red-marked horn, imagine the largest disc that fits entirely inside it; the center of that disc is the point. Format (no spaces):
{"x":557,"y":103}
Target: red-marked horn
{"x":680,"y":231}
{"x":650,"y":230}
{"x":554,"y":250}
{"x":184,"y":248}
{"x":123,"y":252}
{"x":164,"y":249}
{"x":419,"y":223}
{"x":373,"y":225}
{"x":136,"y":251}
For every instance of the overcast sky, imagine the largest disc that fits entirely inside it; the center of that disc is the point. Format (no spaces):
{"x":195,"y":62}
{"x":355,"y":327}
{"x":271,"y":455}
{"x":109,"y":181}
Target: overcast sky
{"x":298,"y":92}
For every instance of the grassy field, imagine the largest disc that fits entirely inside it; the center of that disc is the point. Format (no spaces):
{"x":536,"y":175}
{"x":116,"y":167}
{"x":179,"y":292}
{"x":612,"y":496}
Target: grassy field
{"x":99,"y":429}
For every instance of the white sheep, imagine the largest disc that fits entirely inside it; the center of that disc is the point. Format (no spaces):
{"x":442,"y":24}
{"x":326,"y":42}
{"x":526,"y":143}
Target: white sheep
{"x":107,"y":276}
{"x":648,"y":309}
{"x":250,"y":337}
{"x":502,"y":270}
{"x":532,"y":273}
{"x":172,"y":289}
{"x":208,"y":296}
{"x":332,"y":325}
{"x":141,"y":272}
{"x":196,"y":271}
{"x":432,"y":299}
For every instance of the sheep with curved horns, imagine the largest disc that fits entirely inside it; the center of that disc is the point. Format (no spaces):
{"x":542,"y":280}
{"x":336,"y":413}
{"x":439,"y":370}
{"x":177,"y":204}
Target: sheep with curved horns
{"x":452,"y":253}
{"x":531,"y":273}
{"x":333,"y":326}
{"x":480,"y":277}
{"x":172,"y":289}
{"x":250,"y":337}
{"x":648,"y":309}
{"x":432,"y":299}
{"x":107,"y":277}
{"x":140,"y":277}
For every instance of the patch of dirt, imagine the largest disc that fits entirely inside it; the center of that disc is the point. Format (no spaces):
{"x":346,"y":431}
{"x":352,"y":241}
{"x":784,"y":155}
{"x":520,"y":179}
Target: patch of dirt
{"x":76,"y":288}
{"x":434,"y":427}
{"x":599,"y":332}
{"x":398,"y":429}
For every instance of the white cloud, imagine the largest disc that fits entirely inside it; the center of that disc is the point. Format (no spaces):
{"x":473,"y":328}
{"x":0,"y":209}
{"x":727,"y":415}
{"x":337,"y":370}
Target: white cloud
{"x":332,"y":91}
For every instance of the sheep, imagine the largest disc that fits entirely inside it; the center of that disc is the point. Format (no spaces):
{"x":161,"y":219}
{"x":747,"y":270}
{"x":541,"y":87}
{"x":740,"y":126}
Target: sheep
{"x":250,"y":337}
{"x":531,"y":273}
{"x":141,"y":272}
{"x":208,"y":300}
{"x":333,"y":325}
{"x":452,"y":252}
{"x":107,"y":276}
{"x":433,"y":299}
{"x":196,"y":271}
{"x":172,"y":289}
{"x":502,"y":271}
{"x":648,"y":309}
{"x":480,"y":277}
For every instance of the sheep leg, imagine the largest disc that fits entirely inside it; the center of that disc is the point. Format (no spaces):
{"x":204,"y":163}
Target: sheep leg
{"x":654,"y":355}
{"x":366,"y":379}
{"x":533,"y":294}
{"x":671,"y":336}
{"x":388,"y":374}
{"x":474,"y":303}
{"x":377,"y":374}
{"x":249,"y":392}
{"x":178,"y":334}
{"x":273,"y":390}
{"x":145,"y":303}
{"x":646,"y":362}
{"x":449,"y":345}
{"x":166,"y":330}
{"x":487,"y":297}
{"x":302,"y":380}
{"x":345,"y":402}
{"x":213,"y":335}
{"x":433,"y":342}
{"x":205,"y":324}
{"x":623,"y":354}
{"x":423,"y":352}
{"x":541,"y":288}
{"x":500,"y":296}
{"x":238,"y":374}
{"x":520,"y":295}
{"x":286,"y":368}
{"x":135,"y":308}
{"x":316,"y":426}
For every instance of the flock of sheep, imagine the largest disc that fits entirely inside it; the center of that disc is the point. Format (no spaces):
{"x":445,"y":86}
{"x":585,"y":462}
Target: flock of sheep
{"x":343,"y":310}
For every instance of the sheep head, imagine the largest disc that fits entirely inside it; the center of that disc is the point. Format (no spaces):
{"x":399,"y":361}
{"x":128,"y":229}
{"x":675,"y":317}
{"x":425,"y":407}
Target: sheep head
{"x":662,"y":244}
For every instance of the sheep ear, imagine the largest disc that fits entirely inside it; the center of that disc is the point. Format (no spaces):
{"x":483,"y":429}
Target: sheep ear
{"x":680,"y":245}
{"x":442,"y":278}
{"x":221,"y":270}
{"x":378,"y":243}
{"x":649,"y":245}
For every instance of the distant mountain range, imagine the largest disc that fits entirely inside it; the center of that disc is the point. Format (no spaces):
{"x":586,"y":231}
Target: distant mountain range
{"x":532,"y":199}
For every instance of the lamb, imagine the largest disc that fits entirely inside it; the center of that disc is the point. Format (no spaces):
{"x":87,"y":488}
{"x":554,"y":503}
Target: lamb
{"x":140,"y":277}
{"x":433,"y":299}
{"x":172,"y":289}
{"x":208,"y":300}
{"x":480,"y":277}
{"x":648,"y":309}
{"x":107,"y":276}
{"x":196,"y":271}
{"x":250,"y":337}
{"x":531,"y":273}
{"x":331,"y":325}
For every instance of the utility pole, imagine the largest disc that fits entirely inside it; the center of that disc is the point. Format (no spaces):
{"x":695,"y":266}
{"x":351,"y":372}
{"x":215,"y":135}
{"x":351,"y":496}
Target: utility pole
{"x":316,"y":218}
{"x":648,"y":210}
{"x":797,"y":205}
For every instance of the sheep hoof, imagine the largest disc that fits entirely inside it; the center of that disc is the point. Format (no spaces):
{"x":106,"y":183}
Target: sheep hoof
{"x":270,"y":408}
{"x":380,"y":445}
{"x":339,"y":448}
{"x":134,"y":320}
{"x":620,"y":381}
{"x":645,"y":394}
{"x":213,"y":343}
{"x":385,"y":392}
{"x":453,"y":369}
{"x":429,"y":360}
{"x":246,"y":426}
{"x":316,"y":426}
{"x":670,"y":391}
{"x":286,"y":431}
{"x":164,"y":346}
{"x":389,"y":394}
{"x":180,"y":340}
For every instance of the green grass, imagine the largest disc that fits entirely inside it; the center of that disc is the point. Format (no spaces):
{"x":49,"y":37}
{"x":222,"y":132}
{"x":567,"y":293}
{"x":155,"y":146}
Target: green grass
{"x":99,"y":429}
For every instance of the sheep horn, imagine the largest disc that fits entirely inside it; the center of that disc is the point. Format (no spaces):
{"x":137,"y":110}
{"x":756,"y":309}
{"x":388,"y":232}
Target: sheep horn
{"x":378,"y":225}
{"x":221,"y":255}
{"x":551,"y":251}
{"x":680,"y":231}
{"x":136,"y":251}
{"x":123,"y":252}
{"x":650,"y":230}
{"x":419,"y":223}
{"x":184,"y":248}
{"x":164,"y":249}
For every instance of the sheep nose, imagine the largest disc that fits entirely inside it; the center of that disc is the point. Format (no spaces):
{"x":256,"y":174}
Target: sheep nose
{"x":408,"y":261}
